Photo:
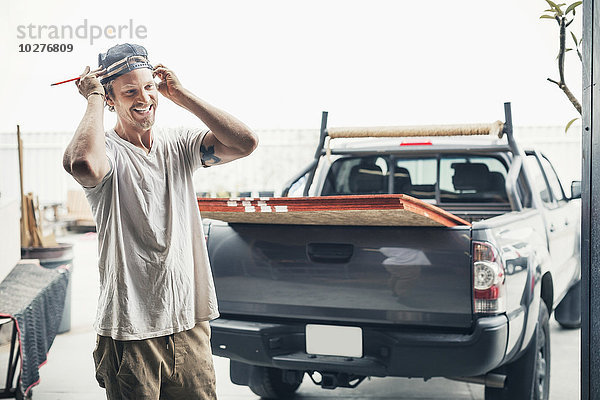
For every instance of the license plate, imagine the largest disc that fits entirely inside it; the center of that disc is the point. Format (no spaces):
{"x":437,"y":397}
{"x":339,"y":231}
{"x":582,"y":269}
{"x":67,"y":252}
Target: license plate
{"x":332,"y":340}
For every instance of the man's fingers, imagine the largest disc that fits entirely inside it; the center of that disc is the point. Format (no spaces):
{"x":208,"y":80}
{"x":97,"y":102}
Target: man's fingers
{"x":167,"y":79}
{"x":161,"y":70}
{"x":85,"y":71}
{"x":161,"y":73}
{"x":99,"y":71}
{"x":88,"y":80}
{"x":93,"y":74}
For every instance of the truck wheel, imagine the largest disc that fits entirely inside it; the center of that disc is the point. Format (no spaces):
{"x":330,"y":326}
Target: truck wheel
{"x":528,"y":377}
{"x":568,"y":312}
{"x":270,"y":383}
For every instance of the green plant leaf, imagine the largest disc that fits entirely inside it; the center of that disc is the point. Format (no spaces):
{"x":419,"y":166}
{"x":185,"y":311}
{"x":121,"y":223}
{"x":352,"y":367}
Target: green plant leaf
{"x":570,"y":123}
{"x":547,"y":16}
{"x":556,"y":9}
{"x":572,"y":7}
{"x":574,"y":38}
{"x":568,"y":50}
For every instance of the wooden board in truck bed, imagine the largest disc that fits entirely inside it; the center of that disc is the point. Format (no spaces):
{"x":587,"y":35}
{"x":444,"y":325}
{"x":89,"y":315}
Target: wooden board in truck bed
{"x":364,"y":210}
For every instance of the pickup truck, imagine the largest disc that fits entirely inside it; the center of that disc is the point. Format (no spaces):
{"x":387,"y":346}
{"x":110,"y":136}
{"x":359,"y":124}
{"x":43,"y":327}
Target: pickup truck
{"x":469,"y":302}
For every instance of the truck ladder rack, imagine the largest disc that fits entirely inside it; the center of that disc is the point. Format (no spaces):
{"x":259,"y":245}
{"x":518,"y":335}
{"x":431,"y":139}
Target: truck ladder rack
{"x":495,"y":128}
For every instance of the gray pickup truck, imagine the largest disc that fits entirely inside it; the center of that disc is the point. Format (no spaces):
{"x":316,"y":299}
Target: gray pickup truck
{"x":342,"y":303}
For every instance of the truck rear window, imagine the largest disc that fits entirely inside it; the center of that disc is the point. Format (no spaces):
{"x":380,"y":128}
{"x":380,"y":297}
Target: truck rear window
{"x":357,"y":175}
{"x":447,"y":179}
{"x":472,"y":180}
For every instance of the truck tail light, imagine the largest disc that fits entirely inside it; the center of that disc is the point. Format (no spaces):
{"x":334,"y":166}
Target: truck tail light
{"x":488,"y":279}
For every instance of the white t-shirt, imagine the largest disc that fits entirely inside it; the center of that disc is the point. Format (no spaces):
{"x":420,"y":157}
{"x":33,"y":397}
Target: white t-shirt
{"x":155,"y":276}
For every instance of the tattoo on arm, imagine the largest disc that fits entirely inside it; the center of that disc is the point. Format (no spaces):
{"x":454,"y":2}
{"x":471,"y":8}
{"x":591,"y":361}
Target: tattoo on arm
{"x":208,"y":156}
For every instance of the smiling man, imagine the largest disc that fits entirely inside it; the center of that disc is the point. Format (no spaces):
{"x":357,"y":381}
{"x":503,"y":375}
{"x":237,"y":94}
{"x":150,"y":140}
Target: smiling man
{"x":156,"y":288}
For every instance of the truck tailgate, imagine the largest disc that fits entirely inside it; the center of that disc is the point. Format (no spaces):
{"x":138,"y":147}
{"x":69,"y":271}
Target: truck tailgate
{"x":417,"y":276}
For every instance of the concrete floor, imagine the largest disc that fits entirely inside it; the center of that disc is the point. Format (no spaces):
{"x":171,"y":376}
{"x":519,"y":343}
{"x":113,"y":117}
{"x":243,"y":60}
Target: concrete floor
{"x":69,"y":373}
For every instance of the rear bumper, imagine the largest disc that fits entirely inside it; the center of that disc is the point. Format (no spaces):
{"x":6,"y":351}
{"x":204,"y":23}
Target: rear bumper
{"x":386,"y":352}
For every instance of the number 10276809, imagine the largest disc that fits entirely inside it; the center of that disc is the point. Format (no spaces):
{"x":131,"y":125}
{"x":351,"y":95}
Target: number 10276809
{"x":45,"y":47}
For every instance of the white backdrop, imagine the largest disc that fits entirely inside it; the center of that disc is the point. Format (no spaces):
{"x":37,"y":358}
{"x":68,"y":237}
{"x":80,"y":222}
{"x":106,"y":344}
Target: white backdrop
{"x":277,"y":64}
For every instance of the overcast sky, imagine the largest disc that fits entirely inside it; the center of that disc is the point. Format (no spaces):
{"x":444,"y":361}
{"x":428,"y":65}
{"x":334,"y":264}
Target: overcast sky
{"x":278,"y":64}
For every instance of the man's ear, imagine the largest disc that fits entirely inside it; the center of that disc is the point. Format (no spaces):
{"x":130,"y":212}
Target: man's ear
{"x":109,"y":101}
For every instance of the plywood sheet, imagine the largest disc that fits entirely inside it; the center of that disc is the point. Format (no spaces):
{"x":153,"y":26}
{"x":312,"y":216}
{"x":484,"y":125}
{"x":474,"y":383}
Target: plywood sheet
{"x":369,"y":210}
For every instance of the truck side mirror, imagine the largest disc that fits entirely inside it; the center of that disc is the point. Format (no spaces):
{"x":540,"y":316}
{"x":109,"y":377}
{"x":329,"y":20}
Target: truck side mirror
{"x":576,"y":190}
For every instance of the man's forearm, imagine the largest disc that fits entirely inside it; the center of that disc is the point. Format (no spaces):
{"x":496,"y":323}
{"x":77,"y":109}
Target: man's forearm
{"x":86,"y":154}
{"x":228,"y":130}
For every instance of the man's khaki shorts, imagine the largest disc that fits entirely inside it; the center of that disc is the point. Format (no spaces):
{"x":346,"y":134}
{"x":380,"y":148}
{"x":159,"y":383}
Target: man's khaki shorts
{"x":177,"y":366}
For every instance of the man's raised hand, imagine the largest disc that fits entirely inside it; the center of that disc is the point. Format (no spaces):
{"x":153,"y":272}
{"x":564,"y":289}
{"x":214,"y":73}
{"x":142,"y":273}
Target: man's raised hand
{"x":169,"y":85}
{"x":89,"y":83}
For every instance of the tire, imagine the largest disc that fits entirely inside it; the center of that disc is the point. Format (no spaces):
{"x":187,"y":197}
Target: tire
{"x":269,"y":383}
{"x":568,"y":312}
{"x":528,"y":377}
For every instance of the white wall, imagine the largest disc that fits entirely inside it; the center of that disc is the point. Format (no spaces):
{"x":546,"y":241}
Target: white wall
{"x":562,"y":149}
{"x":281,"y":153}
{"x":42,"y":165}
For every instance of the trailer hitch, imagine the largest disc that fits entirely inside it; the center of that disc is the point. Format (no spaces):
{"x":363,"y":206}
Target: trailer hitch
{"x":332,"y":380}
{"x":489,"y":380}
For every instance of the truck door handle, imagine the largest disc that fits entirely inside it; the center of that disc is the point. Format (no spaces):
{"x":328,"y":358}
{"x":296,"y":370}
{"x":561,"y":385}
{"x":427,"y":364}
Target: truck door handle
{"x":335,"y":253}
